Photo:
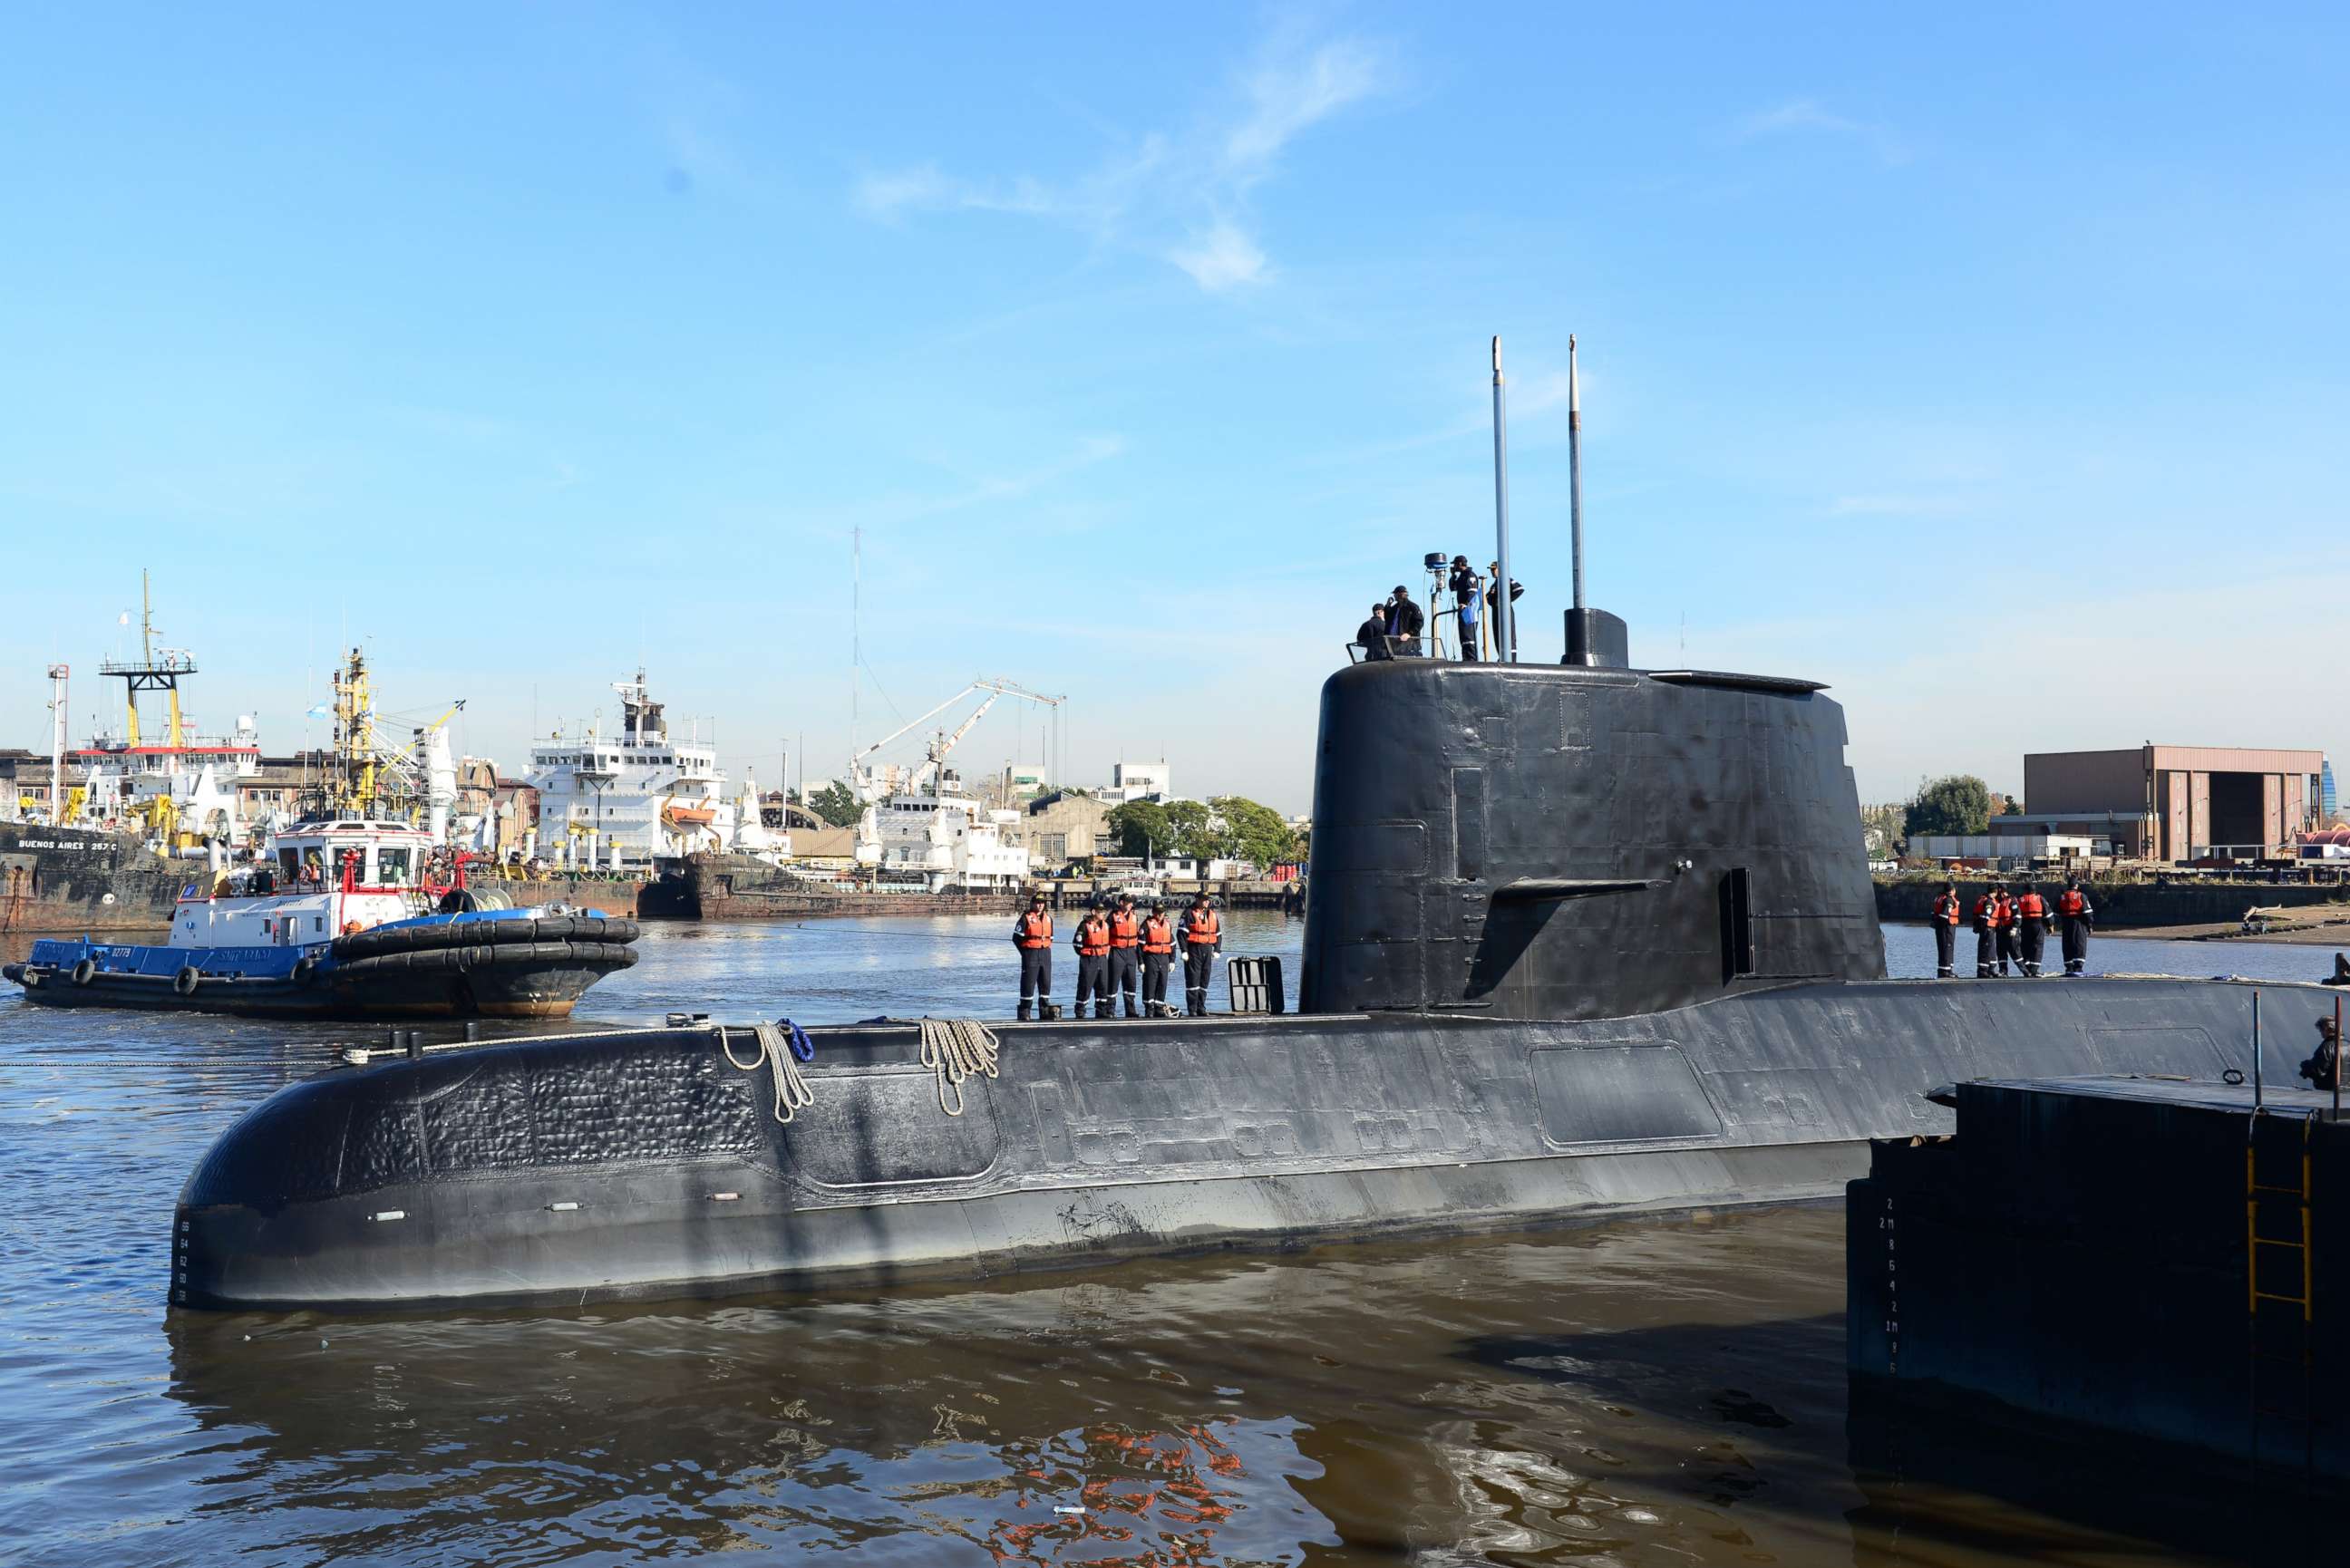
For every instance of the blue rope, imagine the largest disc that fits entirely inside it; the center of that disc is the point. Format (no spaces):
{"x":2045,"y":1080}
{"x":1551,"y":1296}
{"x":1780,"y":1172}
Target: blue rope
{"x":802,"y":1046}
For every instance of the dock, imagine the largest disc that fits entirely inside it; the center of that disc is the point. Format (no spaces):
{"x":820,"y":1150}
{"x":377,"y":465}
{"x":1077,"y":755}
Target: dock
{"x":2144,"y":1258}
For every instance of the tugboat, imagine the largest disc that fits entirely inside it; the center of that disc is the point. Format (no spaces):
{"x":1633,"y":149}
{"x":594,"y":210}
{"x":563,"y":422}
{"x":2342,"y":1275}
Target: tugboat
{"x":377,"y":938}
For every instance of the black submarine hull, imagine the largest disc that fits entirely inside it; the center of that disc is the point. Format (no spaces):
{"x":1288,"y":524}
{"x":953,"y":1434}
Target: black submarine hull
{"x":643,"y":1164}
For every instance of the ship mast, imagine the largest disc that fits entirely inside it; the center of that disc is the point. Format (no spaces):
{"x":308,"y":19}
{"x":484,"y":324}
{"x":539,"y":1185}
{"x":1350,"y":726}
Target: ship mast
{"x":151,"y":672}
{"x":57,"y":674}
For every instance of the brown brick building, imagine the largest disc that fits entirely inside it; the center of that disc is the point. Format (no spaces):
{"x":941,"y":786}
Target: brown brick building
{"x":2173,"y":803}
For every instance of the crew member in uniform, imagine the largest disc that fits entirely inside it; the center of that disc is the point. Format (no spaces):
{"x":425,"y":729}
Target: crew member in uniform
{"x":1125,"y":936}
{"x":1946,"y":918}
{"x":1202,"y":935}
{"x":1158,"y":957}
{"x":1986,"y":922}
{"x":1032,"y":933}
{"x":2030,"y":929}
{"x":2325,"y":1061}
{"x":2073,"y":917}
{"x":1404,"y":621}
{"x":2003,"y":902}
{"x":1092,"y":942}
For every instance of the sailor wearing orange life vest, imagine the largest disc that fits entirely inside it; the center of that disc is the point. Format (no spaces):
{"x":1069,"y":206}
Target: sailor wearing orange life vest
{"x":1945,"y":920}
{"x":1125,"y":939}
{"x":1092,"y":942}
{"x":1158,"y":957}
{"x":2076,"y":916}
{"x":2008,"y":955}
{"x":2030,"y":929}
{"x":1989,"y":921}
{"x":1032,"y":933}
{"x":1203,"y":936}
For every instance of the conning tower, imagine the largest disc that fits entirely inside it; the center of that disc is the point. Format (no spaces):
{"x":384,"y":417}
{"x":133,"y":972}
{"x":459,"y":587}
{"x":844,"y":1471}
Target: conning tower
{"x":1578,"y":841}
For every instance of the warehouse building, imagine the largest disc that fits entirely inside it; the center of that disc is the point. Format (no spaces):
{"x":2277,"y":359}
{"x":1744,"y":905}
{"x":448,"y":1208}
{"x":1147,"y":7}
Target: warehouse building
{"x":2176,"y":804}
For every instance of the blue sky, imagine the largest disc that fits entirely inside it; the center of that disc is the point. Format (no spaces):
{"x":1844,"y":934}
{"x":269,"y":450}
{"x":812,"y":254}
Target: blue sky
{"x":1988,"y":364}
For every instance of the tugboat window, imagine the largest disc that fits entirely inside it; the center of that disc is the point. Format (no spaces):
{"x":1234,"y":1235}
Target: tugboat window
{"x":391,"y":867}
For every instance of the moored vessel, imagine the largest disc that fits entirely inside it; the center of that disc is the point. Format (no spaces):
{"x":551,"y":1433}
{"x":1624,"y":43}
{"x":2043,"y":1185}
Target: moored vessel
{"x":1601,"y":940}
{"x":343,"y":919}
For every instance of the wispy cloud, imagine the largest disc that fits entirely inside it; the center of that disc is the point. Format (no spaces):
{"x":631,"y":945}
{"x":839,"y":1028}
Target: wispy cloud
{"x":1185,"y":197}
{"x":1895,"y":506}
{"x":1799,"y":116}
{"x":981,"y":490}
{"x":1224,"y":257}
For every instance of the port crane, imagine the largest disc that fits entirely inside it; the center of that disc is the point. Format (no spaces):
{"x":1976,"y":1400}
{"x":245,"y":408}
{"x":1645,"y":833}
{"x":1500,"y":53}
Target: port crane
{"x":870,"y":784}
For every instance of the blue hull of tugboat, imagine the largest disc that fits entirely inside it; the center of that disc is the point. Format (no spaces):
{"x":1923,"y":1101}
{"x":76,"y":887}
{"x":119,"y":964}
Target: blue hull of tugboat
{"x":505,"y":964}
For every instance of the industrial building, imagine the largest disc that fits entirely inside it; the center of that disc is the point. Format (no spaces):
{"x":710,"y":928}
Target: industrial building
{"x":2176,"y":804}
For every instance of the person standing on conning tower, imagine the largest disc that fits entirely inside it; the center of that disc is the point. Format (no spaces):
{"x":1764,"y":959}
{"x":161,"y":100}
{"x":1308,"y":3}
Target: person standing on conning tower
{"x":1945,"y":921}
{"x":1203,"y":936}
{"x":1032,"y":933}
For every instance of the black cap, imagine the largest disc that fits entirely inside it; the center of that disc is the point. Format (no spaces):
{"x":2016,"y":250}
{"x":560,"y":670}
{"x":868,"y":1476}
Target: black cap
{"x":1401,"y":589}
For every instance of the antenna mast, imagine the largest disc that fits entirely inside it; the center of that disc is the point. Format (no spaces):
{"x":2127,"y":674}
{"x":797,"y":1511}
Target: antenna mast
{"x":1505,"y":623}
{"x":1575,"y":467}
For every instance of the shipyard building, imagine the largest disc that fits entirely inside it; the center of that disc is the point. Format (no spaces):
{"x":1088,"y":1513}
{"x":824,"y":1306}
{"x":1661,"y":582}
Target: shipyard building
{"x":2178,"y":803}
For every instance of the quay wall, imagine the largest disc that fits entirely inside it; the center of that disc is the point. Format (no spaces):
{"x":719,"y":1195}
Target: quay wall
{"x":2123,"y":905}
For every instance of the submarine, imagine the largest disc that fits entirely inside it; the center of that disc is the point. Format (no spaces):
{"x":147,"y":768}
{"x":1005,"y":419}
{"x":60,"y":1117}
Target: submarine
{"x":1580,"y":941}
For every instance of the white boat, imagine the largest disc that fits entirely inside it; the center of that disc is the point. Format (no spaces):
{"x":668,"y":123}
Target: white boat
{"x":939,"y":838}
{"x":620,"y":803}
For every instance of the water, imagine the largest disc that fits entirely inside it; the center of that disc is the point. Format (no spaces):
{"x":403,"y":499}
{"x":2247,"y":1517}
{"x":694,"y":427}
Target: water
{"x":1661,"y":1392}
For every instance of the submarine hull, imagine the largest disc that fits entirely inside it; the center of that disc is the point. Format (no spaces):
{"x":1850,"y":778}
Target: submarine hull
{"x":647,"y":1164}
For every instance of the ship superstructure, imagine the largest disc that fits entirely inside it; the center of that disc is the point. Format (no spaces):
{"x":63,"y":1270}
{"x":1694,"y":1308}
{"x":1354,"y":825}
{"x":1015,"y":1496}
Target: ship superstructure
{"x":615,"y":802}
{"x":176,"y":790}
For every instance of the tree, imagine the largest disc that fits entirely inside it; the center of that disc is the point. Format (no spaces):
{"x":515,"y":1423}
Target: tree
{"x":1260,"y":832}
{"x":1197,"y":833}
{"x":1882,"y":827}
{"x":1960,"y":804}
{"x":1140,"y":827}
{"x":835,"y":805}
{"x":2013,"y":807}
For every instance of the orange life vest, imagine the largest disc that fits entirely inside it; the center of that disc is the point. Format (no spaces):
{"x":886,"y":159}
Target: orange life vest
{"x":1035,"y":929}
{"x":1991,"y":913}
{"x":2070,"y":902}
{"x":1946,"y":909}
{"x":1093,"y":936}
{"x":2002,"y":913}
{"x":1125,"y":930}
{"x":1204,"y":929}
{"x":2032,"y":907}
{"x":1158,"y":936}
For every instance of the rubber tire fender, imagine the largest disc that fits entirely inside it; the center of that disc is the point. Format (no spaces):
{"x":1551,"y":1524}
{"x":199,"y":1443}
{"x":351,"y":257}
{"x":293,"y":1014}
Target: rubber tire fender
{"x":187,"y":980}
{"x":306,"y":970}
{"x":84,"y":972}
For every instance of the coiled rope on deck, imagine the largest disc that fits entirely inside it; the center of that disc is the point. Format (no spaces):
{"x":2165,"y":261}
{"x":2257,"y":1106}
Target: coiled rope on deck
{"x":953,"y":1049}
{"x":779,"y":1043}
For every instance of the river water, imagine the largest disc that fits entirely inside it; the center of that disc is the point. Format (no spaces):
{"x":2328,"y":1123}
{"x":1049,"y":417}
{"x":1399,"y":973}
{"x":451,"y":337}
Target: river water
{"x":1665,"y":1391}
